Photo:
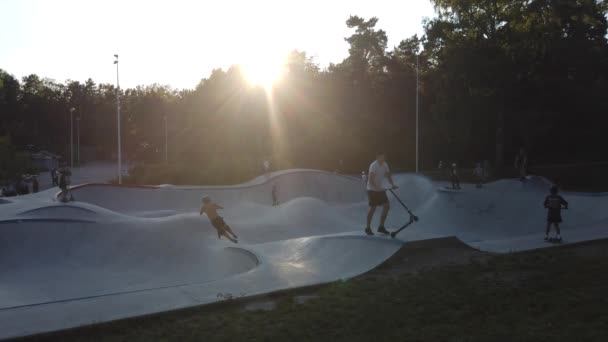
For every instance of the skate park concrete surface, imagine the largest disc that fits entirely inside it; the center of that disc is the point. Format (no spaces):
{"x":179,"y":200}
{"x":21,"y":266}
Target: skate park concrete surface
{"x":124,"y":251}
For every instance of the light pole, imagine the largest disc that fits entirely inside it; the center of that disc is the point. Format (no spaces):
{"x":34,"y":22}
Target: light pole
{"x":417,"y":124}
{"x":78,"y":140}
{"x":72,"y":137}
{"x":166,"y":143}
{"x":118,"y":121}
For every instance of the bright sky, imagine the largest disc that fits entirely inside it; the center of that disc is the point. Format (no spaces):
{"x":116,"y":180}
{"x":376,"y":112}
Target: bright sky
{"x":178,"y":42}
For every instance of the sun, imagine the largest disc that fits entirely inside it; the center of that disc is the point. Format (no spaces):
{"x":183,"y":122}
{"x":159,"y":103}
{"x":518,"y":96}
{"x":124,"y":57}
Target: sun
{"x":264,"y":71}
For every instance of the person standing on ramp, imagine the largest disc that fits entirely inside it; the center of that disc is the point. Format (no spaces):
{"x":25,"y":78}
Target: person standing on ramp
{"x":554,"y":204}
{"x":64,"y":195}
{"x":521,"y":164}
{"x":376,"y":192}
{"x":275,"y":199}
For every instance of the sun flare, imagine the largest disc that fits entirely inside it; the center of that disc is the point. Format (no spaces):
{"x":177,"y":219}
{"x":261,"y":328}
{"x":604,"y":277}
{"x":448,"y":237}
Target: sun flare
{"x":264,"y":70}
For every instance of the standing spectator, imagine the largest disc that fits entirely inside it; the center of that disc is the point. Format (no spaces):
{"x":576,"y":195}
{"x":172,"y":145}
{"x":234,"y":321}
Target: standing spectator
{"x":487,"y":172}
{"x":64,"y":196}
{"x":54,"y":177}
{"x":68,"y":174}
{"x":521,"y":164}
{"x":275,"y":200}
{"x":454,"y":177}
{"x":22,"y":187}
{"x":35,"y":184}
{"x":479,"y":175}
{"x":266,"y":167}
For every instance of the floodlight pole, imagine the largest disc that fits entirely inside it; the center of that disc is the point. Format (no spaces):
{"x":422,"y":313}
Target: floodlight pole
{"x":72,"y":137}
{"x":118,"y":122}
{"x":166,"y":143}
{"x":417,"y":124}
{"x":78,"y":140}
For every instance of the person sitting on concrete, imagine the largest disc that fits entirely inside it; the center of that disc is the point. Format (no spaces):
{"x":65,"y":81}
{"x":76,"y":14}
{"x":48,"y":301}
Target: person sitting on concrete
{"x":210,"y":209}
{"x":9,"y":190}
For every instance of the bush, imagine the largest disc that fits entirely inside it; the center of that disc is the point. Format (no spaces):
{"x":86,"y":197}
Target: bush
{"x":13,"y":164}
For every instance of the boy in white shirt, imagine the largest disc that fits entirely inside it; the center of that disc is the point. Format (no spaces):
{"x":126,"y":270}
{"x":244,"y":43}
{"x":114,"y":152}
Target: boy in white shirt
{"x":376,"y":192}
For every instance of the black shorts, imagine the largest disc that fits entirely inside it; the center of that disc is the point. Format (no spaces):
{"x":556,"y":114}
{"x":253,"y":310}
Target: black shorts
{"x":554,"y":216}
{"x":376,"y":198}
{"x":218,"y":223}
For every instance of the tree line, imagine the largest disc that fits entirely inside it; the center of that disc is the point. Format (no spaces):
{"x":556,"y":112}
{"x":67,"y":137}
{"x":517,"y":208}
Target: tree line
{"x":494,"y":76}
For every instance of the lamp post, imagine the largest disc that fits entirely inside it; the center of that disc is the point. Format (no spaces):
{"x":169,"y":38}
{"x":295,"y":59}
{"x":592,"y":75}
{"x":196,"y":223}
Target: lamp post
{"x":118,"y":121}
{"x":417,"y":124}
{"x":72,"y":137}
{"x":166,"y":143}
{"x":78,"y":140}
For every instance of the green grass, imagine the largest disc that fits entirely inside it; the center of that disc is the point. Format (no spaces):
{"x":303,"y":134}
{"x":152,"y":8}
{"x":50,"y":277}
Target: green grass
{"x":560,"y":294}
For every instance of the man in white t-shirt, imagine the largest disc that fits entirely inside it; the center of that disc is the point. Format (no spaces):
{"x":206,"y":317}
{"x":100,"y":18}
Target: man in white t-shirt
{"x":376,"y":192}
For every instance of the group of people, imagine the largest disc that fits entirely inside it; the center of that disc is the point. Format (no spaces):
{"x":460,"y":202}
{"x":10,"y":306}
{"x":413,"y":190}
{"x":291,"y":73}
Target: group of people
{"x":379,"y":170}
{"x":481,"y":173}
{"x":59,"y":177}
{"x":21,"y":186}
{"x":375,"y":180}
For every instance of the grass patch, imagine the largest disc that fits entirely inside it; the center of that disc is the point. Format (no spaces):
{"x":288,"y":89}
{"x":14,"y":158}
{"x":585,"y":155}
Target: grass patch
{"x":559,"y":294}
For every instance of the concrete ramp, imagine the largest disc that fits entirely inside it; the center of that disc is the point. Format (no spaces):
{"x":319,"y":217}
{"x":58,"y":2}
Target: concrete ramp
{"x":326,"y":186}
{"x":68,"y":261}
{"x":123,"y":251}
{"x":505,"y":213}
